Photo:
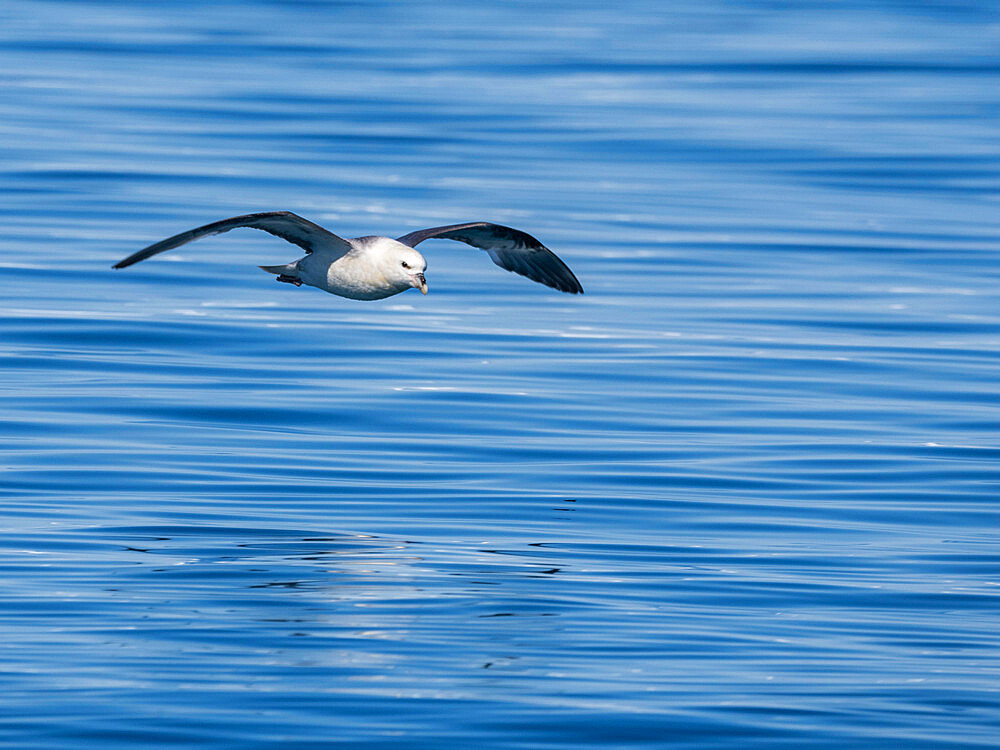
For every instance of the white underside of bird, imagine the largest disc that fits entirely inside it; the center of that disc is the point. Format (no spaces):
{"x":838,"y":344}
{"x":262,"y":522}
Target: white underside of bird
{"x":369,"y":268}
{"x":373,"y":269}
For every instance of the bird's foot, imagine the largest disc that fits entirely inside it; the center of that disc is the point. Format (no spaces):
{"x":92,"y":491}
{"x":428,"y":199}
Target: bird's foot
{"x":289,"y":279}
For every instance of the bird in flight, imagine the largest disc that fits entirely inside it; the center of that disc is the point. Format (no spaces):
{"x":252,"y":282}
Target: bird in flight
{"x":378,"y":267}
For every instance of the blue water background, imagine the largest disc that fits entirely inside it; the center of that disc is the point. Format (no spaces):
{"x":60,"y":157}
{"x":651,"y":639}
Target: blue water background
{"x":741,"y":494}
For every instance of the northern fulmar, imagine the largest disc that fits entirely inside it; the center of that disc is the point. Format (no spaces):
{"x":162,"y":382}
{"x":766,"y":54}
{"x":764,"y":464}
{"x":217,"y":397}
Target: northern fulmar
{"x":378,"y":267}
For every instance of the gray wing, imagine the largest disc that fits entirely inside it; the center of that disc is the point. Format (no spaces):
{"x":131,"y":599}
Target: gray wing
{"x":282,"y":224}
{"x":511,"y":249}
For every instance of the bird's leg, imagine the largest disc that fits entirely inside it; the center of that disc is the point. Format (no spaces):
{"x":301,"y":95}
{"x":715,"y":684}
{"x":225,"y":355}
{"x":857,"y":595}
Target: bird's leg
{"x":289,"y":279}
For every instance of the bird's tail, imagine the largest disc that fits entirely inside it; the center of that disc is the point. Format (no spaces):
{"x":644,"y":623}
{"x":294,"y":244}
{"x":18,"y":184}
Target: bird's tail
{"x":286,"y":269}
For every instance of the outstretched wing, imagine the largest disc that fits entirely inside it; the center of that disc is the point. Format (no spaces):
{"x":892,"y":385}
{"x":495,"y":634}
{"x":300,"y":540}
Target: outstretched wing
{"x":511,"y":249}
{"x":282,"y":224}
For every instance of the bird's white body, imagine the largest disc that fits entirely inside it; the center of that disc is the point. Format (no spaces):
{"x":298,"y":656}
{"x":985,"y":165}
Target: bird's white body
{"x":374,"y":268}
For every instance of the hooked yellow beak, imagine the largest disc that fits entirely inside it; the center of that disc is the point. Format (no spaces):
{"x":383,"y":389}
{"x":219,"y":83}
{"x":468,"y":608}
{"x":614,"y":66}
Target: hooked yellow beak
{"x":419,"y":282}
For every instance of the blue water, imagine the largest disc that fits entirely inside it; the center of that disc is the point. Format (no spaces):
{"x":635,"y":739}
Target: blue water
{"x":741,"y":494}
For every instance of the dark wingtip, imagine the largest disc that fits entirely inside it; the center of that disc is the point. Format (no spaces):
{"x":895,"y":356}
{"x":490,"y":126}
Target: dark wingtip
{"x":569,"y":286}
{"x":572,"y":284}
{"x":556,"y":274}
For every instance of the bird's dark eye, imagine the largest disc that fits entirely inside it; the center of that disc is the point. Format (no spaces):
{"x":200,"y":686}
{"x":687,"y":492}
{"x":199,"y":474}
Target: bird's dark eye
{"x":405,"y":264}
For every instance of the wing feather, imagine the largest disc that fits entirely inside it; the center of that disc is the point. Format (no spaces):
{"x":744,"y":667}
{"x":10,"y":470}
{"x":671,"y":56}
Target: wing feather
{"x":284,"y":224}
{"x":509,"y":248}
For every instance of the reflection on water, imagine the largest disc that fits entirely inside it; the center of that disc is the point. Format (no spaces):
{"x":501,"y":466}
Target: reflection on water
{"x":741,"y":493}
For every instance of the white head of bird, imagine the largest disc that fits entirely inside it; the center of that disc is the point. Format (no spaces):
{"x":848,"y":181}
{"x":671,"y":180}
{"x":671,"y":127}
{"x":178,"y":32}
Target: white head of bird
{"x":400,"y":265}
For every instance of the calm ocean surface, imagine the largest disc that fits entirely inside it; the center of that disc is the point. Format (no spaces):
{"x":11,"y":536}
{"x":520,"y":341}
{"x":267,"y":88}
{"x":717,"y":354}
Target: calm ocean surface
{"x":742,"y":494}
